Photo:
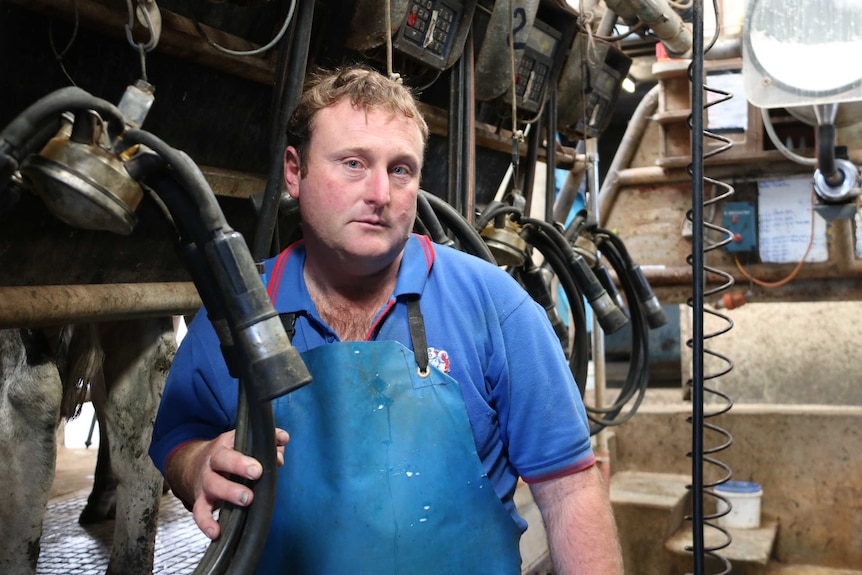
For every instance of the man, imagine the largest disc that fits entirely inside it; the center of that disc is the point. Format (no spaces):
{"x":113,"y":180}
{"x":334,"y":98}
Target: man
{"x":437,"y":383}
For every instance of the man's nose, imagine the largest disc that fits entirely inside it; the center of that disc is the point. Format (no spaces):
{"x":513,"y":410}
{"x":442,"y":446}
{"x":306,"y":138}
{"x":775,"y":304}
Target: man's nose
{"x":378,"y":188}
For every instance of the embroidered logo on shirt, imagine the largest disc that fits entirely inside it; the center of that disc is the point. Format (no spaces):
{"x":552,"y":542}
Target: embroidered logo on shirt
{"x":439,"y":358}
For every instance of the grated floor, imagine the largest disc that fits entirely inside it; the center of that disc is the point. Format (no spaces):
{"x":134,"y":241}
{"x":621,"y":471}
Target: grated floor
{"x":70,"y":549}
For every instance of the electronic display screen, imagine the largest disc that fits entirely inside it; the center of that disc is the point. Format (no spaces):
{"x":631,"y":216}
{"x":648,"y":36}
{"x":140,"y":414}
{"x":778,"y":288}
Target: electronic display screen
{"x":541,"y":42}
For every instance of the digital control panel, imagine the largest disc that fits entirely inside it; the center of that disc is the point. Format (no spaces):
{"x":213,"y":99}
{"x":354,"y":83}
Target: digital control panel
{"x":429,"y":29}
{"x":534,"y":69}
{"x":590,"y":87}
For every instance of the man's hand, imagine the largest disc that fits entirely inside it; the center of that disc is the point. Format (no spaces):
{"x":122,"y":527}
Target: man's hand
{"x":198,"y":474}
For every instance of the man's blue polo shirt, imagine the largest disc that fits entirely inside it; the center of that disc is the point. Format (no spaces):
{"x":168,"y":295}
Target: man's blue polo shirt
{"x":482,"y":329}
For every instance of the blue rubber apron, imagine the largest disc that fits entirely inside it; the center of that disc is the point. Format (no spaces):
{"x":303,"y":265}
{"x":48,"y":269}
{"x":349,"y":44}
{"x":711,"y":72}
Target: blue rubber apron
{"x":381,"y":475}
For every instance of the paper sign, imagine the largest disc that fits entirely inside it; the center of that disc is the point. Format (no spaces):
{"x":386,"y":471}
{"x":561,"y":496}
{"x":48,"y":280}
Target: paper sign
{"x":727,"y":115}
{"x":785,"y":216}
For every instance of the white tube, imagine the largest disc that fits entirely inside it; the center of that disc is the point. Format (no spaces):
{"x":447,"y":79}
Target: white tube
{"x":627,"y":148}
{"x":665,"y":22}
{"x":776,"y":141}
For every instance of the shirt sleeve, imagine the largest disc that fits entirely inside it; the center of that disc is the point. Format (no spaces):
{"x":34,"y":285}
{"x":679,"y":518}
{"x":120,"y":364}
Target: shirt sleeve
{"x":199,"y":399}
{"x":546,"y":425}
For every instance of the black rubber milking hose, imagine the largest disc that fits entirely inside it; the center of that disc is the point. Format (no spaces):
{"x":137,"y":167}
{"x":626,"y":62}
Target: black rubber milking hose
{"x":292,"y":59}
{"x":192,"y":235}
{"x":493,"y":210}
{"x":217,"y":557}
{"x":258,"y":515}
{"x":471,"y":241}
{"x":655,"y":314}
{"x":21,"y":129}
{"x":431,"y":222}
{"x":188,"y":176}
{"x":210,"y":217}
{"x":30,"y":127}
{"x":579,"y":357}
{"x":608,"y":314}
{"x":637,"y":378}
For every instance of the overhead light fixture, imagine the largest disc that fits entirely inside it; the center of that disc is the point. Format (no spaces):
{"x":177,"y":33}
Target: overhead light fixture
{"x":798,"y":52}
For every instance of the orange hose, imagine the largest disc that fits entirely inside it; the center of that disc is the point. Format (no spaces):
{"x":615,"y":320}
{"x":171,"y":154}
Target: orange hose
{"x":792,"y":275}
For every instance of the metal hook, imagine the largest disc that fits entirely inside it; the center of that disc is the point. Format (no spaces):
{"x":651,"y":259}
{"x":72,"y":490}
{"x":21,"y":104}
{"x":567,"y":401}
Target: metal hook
{"x":148,"y":14}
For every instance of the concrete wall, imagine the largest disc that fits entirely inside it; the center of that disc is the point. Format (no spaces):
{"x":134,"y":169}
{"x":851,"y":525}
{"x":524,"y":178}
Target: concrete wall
{"x":785,"y":353}
{"x":807,"y":458}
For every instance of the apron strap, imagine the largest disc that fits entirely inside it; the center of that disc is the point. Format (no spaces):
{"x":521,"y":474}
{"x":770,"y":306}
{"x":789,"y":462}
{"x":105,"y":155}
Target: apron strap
{"x":417,"y":335}
{"x":287,"y":320}
{"x":417,"y":332}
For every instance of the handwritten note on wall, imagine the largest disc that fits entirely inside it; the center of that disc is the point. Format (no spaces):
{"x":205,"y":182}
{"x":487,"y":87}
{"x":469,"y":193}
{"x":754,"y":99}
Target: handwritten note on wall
{"x":731,"y":114}
{"x":784,"y":222}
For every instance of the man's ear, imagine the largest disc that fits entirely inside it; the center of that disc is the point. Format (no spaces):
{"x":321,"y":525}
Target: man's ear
{"x":292,"y":169}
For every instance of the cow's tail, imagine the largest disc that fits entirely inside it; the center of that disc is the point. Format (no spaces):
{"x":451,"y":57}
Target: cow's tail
{"x":79,"y":360}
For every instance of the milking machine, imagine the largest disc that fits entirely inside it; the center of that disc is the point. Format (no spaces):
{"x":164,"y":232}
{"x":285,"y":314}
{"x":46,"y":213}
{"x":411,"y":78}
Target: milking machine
{"x":640,"y":305}
{"x":91,"y":164}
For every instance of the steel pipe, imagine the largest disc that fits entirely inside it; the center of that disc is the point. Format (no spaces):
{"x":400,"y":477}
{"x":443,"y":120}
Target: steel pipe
{"x":37,"y":306}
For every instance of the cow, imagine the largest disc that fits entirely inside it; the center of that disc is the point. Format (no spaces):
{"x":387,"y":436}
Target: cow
{"x":44,"y":376}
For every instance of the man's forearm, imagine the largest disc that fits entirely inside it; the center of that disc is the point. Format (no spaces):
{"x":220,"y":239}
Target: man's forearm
{"x":582,"y":534}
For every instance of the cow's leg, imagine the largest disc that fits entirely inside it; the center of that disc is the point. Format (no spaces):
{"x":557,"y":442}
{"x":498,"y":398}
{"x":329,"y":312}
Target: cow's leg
{"x":102,"y":502}
{"x":30,"y":396}
{"x":138,"y":355}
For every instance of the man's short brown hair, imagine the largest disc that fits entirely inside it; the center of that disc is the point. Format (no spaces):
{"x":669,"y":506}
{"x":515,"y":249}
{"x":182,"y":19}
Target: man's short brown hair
{"x":366,"y":88}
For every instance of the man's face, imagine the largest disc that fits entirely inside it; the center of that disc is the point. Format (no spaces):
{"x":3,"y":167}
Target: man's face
{"x":358,"y":195}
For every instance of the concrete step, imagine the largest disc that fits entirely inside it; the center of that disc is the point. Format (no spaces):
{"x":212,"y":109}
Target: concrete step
{"x":749,"y":551}
{"x":649,"y":508}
